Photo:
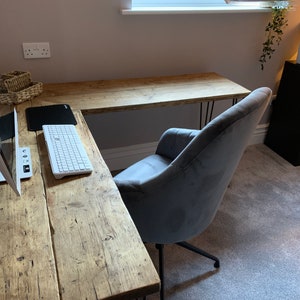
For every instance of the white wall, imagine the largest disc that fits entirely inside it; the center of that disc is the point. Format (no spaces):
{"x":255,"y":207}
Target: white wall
{"x":91,"y":40}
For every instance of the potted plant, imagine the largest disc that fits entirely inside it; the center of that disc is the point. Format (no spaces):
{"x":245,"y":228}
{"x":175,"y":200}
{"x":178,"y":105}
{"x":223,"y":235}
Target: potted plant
{"x":274,"y":29}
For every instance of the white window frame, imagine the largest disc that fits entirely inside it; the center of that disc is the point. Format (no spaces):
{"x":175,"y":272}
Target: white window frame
{"x":194,"y":6}
{"x":177,"y":3}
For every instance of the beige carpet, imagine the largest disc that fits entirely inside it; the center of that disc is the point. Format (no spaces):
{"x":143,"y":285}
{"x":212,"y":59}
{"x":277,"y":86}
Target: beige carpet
{"x":256,"y":236}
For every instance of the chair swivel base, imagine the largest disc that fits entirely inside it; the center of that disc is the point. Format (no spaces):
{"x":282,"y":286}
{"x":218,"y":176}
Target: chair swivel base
{"x":201,"y":252}
{"x":187,"y":246}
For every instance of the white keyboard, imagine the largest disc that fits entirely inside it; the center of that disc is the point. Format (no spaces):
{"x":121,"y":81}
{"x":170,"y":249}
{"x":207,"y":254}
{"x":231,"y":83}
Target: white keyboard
{"x":66,"y":152}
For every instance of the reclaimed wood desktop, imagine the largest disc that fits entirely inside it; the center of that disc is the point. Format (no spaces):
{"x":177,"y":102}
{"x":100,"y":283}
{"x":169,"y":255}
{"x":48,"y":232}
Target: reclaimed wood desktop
{"x":73,"y":238}
{"x":129,"y":94}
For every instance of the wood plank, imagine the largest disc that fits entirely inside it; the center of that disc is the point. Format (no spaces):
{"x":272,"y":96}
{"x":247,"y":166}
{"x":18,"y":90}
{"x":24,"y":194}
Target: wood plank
{"x":128,"y":94}
{"x":98,"y":250}
{"x":27,"y":264}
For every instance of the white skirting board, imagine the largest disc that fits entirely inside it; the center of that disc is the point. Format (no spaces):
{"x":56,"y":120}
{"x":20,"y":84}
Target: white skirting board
{"x":122,"y":157}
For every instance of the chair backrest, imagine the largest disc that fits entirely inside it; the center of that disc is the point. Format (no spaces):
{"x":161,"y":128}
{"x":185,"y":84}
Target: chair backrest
{"x":184,"y":198}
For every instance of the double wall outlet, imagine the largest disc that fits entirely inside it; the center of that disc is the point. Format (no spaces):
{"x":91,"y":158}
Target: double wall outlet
{"x":36,"y":50}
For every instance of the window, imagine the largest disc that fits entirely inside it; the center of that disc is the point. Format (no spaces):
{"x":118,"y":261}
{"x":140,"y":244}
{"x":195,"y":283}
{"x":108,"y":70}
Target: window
{"x":177,"y":3}
{"x":195,"y":6}
{"x":198,"y":3}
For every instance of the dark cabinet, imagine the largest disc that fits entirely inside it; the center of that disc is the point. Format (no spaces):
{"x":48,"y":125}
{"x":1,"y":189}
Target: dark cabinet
{"x":283,"y":135}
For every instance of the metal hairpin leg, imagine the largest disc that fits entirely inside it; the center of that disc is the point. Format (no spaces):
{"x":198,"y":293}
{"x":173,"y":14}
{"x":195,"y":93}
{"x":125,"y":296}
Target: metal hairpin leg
{"x":200,"y":119}
{"x":234,"y":101}
{"x":208,"y":113}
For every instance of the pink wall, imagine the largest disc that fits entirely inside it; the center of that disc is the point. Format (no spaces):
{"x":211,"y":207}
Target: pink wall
{"x":91,"y":40}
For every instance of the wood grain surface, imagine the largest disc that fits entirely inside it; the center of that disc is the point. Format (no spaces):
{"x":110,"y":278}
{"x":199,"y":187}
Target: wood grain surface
{"x":73,"y":238}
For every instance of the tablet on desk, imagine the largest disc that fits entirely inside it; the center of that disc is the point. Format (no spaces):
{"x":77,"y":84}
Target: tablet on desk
{"x":15,"y":161}
{"x":51,"y":114}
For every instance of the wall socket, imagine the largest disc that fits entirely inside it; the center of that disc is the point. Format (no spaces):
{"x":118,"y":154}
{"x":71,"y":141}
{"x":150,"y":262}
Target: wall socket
{"x":36,"y":50}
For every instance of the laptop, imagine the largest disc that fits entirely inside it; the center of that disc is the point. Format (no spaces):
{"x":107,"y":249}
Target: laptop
{"x":15,"y":161}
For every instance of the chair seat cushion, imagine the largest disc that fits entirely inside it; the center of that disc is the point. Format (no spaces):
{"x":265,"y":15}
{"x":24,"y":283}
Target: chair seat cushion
{"x":143,"y":170}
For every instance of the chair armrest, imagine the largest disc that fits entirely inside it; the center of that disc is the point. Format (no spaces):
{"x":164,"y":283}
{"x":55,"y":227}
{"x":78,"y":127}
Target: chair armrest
{"x":174,"y":140}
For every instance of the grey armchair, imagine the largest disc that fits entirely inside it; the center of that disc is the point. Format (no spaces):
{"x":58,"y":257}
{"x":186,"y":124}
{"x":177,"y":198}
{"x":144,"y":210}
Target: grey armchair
{"x":173,"y":195}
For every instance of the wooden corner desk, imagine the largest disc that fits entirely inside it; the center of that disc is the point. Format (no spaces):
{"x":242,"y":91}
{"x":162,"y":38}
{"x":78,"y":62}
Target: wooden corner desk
{"x":73,"y":238}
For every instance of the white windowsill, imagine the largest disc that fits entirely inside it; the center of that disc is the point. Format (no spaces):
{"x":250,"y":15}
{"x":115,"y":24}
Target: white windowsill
{"x":194,"y":10}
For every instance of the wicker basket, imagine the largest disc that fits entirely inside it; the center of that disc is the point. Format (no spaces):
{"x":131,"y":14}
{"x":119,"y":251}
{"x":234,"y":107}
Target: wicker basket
{"x":15,"y":81}
{"x":29,"y":93}
{"x":17,"y":87}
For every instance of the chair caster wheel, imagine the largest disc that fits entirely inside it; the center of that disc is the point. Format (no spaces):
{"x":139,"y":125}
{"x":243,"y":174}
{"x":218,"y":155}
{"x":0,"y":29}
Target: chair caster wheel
{"x":217,"y":264}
